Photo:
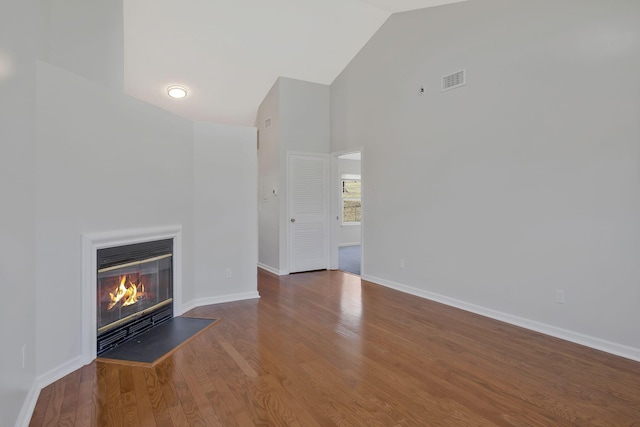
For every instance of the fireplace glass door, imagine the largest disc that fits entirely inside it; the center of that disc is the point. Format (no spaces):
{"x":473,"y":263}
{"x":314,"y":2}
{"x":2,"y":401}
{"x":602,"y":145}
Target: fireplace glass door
{"x":135,"y":291}
{"x":127,"y":290}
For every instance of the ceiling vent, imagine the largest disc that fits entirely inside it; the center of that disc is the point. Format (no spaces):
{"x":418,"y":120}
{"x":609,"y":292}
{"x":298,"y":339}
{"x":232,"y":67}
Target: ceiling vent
{"x":267,"y":123}
{"x":454,"y":80}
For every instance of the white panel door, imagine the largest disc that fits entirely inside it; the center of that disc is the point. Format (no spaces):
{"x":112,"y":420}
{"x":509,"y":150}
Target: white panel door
{"x":308,"y":212}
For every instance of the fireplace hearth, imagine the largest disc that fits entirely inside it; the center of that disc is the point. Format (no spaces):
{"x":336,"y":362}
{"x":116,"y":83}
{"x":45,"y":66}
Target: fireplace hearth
{"x":134,"y":291}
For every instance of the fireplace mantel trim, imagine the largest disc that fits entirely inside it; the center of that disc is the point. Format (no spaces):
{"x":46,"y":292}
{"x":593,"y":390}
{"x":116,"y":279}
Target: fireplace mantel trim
{"x":91,"y":242}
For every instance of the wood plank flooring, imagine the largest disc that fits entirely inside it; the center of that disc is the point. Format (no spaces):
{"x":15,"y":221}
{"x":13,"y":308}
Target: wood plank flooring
{"x":324,"y":348}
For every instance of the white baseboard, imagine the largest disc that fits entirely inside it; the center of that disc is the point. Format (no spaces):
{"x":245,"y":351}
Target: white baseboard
{"x":29,"y":404}
{"x":564,"y":334}
{"x":61,"y":371}
{"x":342,"y":245}
{"x":273,"y":270}
{"x":41,"y":382}
{"x":219,"y":300}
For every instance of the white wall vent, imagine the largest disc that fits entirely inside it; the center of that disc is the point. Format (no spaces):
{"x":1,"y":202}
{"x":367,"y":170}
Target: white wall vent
{"x":267,"y":123}
{"x":454,"y":80}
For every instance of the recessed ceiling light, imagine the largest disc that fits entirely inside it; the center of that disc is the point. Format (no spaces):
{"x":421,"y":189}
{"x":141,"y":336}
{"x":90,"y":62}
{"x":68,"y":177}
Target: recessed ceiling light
{"x":176,"y":92}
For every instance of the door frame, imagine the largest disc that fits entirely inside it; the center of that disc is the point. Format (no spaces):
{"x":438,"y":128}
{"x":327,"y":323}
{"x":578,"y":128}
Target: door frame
{"x":335,"y":206}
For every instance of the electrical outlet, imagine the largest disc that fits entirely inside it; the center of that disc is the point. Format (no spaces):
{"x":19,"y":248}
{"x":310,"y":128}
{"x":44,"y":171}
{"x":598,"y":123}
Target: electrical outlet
{"x":559,"y":296}
{"x":228,"y":273}
{"x":402,"y":263}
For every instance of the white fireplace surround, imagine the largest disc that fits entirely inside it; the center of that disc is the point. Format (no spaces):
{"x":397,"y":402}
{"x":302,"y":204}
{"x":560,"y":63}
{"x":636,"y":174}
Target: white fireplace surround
{"x":91,"y":242}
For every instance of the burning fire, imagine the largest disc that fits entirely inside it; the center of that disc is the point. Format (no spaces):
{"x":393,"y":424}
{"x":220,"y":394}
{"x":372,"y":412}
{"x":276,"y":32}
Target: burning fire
{"x":127,"y":294}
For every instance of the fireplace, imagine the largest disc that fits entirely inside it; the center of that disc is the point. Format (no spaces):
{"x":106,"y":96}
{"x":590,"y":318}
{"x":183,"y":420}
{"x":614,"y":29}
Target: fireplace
{"x":134,"y":290}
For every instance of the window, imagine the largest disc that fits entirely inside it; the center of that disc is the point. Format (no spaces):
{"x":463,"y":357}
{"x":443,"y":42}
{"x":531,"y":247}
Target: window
{"x":351,"y":199}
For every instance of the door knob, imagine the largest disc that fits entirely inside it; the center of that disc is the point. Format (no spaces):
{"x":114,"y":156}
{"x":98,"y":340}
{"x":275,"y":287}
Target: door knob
{"x":293,"y":220}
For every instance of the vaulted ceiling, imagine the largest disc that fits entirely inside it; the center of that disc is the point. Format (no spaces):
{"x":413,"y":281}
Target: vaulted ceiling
{"x":228,"y":53}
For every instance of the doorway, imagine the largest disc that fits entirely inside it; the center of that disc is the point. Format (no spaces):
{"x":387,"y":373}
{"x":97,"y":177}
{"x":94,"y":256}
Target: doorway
{"x":348,"y":207}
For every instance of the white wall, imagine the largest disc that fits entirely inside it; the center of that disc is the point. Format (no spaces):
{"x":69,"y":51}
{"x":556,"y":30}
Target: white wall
{"x":87,"y":38}
{"x":304,"y":126}
{"x":225,"y":209}
{"x":305,"y":119}
{"x":269,"y":180}
{"x":104,"y":162}
{"x":348,"y":234}
{"x":300,"y":119}
{"x":522,"y":182}
{"x":21,"y":28}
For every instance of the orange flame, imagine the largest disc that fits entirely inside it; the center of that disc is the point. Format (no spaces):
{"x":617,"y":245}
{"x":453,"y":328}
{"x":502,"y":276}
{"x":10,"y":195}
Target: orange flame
{"x":128,"y":295}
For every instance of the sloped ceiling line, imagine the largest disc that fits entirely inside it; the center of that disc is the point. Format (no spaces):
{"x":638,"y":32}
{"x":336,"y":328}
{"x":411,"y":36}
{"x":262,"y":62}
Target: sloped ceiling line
{"x":228,"y":53}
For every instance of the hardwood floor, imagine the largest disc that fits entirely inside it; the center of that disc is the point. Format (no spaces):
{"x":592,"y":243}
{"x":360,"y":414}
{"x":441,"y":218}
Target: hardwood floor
{"x":322,"y":348}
